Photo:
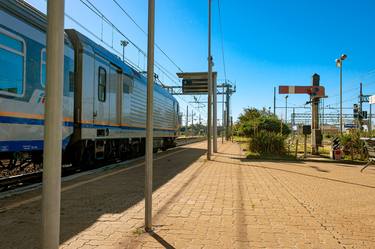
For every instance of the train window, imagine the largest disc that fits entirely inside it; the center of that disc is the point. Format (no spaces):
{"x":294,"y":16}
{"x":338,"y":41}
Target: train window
{"x":68,"y":75}
{"x":128,"y":84}
{"x":102,"y":84}
{"x":12,"y":64}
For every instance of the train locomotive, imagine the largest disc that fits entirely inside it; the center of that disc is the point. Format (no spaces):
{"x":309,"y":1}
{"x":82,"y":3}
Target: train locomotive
{"x":104,"y":98}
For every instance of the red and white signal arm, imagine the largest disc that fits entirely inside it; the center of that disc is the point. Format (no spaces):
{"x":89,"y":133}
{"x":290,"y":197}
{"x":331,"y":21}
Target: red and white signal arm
{"x":313,"y":91}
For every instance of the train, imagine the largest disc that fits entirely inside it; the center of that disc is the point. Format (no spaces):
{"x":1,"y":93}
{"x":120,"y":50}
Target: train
{"x":104,"y":98}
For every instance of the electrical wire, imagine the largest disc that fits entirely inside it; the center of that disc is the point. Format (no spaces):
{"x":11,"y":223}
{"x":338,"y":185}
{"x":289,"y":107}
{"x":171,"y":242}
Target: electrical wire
{"x":144,"y":32}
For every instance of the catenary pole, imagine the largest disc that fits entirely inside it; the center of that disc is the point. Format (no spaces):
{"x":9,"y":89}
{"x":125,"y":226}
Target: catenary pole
{"x":209,"y":104}
{"x":215,"y":115}
{"x":341,"y":98}
{"x":223,"y":116}
{"x":187,"y":120}
{"x":149,"y":122}
{"x":53,"y":126}
{"x":274,"y":101}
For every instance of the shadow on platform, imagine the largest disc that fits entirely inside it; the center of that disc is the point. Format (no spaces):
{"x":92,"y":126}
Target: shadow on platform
{"x":96,"y":201}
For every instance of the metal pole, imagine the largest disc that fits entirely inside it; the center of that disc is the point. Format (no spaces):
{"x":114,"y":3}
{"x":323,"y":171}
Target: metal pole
{"x":209,"y":85}
{"x":274,"y":101}
{"x":192,"y":122}
{"x":53,"y":126}
{"x":215,"y":116}
{"x":305,"y":146}
{"x":123,"y":52}
{"x":341,"y":97}
{"x":231,"y":128}
{"x":149,"y":122}
{"x":323,"y":116}
{"x":286,"y":110}
{"x":187,"y":120}
{"x":223,"y":116}
{"x":227,"y":109}
{"x":370,"y":121}
{"x":360,"y":117}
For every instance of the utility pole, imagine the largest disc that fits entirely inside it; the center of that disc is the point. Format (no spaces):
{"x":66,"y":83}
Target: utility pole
{"x":124,"y":43}
{"x":286,"y":110}
{"x":149,"y":121}
{"x":53,"y":126}
{"x":192,"y":122}
{"x":231,"y":127}
{"x":315,"y":131}
{"x":227,"y":110}
{"x":293,"y":119}
{"x":360,"y":114}
{"x":274,"y":101}
{"x":223,"y":117}
{"x":215,"y":116}
{"x":339,"y":63}
{"x":187,"y":120}
{"x":322,"y":116}
{"x":209,"y":117}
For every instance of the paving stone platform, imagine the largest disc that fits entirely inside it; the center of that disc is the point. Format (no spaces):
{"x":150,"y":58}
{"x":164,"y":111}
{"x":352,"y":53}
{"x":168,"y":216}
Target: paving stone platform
{"x":229,"y":202}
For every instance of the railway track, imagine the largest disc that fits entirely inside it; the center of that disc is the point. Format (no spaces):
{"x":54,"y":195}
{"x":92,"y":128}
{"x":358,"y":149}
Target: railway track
{"x":17,"y":181}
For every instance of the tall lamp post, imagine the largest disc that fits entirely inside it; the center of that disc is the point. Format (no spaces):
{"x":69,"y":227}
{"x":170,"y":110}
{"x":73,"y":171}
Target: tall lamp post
{"x":286,"y":110}
{"x":339,"y":63}
{"x":123,"y":43}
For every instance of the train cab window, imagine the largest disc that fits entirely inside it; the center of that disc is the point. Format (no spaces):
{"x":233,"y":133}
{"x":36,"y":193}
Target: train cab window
{"x":12,"y":64}
{"x":102,"y":84}
{"x":128,"y":84}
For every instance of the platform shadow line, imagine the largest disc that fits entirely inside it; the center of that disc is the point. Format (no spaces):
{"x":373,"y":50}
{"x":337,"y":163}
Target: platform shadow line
{"x":303,"y":174}
{"x":162,"y":241}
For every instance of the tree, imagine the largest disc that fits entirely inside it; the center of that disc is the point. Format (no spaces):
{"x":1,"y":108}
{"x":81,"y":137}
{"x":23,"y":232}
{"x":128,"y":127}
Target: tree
{"x":251,"y":121}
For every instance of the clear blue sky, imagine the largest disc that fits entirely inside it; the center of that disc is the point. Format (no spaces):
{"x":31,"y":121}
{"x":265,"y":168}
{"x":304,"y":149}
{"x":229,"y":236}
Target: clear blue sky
{"x":266,"y":42}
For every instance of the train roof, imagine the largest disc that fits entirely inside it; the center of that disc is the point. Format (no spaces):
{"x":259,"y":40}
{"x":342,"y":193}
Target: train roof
{"x":33,"y":16}
{"x":117,"y":61}
{"x":97,"y":49}
{"x":26,"y":12}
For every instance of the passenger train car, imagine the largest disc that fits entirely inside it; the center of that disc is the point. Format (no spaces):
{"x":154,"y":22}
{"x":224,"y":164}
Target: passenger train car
{"x":104,"y":102}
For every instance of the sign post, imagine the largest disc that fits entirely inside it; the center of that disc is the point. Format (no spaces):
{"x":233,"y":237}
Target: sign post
{"x":306,"y":130}
{"x":202,"y":83}
{"x":316,"y":92}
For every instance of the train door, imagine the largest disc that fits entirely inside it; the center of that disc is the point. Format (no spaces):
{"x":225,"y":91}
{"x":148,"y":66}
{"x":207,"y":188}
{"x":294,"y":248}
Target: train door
{"x":101,"y":99}
{"x":115,"y":96}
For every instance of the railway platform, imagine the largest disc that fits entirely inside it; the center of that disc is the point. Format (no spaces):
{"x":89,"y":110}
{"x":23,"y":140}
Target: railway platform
{"x":229,"y":202}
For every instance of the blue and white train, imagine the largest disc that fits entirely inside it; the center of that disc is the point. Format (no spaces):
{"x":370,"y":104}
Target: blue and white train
{"x":104,"y":103}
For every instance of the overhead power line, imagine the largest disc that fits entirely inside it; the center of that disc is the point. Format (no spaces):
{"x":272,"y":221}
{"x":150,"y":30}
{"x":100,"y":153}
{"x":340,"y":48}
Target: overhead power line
{"x":98,"y":13}
{"x":222,"y":41}
{"x":144,"y":32}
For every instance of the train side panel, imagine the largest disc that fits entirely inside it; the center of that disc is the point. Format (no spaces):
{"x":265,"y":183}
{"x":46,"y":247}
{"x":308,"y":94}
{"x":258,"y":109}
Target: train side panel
{"x":22,"y":82}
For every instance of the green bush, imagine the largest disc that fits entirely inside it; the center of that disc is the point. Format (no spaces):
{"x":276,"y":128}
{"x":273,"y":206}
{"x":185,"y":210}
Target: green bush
{"x":264,"y":142}
{"x":251,"y":121}
{"x":352,"y":145}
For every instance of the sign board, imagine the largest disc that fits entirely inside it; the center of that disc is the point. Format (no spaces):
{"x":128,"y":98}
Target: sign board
{"x":313,"y":91}
{"x":371,"y":99}
{"x":195,"y":83}
{"x":350,"y":126}
{"x":306,"y":129}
